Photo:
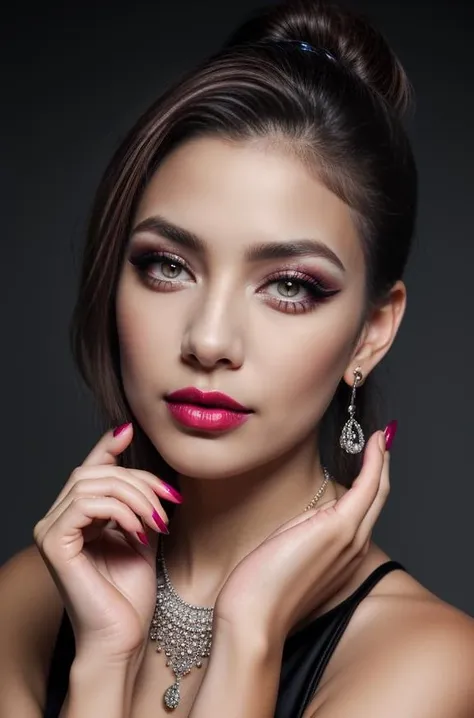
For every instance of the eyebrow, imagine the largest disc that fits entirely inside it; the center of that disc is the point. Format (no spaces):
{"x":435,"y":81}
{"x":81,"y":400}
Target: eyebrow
{"x":260,"y":252}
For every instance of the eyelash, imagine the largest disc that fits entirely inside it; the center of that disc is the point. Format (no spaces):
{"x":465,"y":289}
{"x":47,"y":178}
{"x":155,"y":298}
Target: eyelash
{"x":318,"y":291}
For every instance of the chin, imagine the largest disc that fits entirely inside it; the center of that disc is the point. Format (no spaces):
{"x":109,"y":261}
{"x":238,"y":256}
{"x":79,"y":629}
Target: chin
{"x":203,"y":460}
{"x":204,"y":457}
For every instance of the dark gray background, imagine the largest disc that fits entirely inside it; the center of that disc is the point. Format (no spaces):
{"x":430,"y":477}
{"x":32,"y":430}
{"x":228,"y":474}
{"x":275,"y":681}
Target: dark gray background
{"x":75,"y":76}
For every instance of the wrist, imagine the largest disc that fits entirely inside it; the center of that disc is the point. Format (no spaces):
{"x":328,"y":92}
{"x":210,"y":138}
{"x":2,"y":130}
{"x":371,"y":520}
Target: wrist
{"x":87,"y":669}
{"x":242,"y":675}
{"x":96,"y":655}
{"x":261,"y":639}
{"x":100,"y":686}
{"x":247,"y":639}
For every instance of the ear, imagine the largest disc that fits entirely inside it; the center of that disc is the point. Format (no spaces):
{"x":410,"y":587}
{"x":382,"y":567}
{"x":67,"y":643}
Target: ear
{"x":378,"y":333}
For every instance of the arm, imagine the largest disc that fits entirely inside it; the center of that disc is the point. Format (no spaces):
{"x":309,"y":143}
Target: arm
{"x":26,"y":646}
{"x":427,"y":673}
{"x":242,"y":677}
{"x":97,"y":689}
{"x":30,"y":614}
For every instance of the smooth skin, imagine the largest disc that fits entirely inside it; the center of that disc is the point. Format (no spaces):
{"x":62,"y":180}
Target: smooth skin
{"x":212,"y":315}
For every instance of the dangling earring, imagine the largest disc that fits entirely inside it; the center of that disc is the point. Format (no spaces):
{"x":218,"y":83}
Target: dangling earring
{"x":352,"y":430}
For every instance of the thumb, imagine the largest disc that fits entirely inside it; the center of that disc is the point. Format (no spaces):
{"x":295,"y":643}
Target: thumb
{"x":110,"y":446}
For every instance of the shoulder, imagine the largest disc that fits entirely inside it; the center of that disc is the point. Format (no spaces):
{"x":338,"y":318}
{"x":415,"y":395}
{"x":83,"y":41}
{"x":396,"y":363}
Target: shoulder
{"x":407,"y":653}
{"x":30,"y":614}
{"x":25,"y":578}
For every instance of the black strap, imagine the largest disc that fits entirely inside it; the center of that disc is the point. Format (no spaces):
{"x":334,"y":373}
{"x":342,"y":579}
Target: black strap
{"x":345,"y":609}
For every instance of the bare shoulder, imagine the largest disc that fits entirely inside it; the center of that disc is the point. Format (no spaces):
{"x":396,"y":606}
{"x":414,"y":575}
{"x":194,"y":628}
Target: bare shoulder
{"x":30,"y":614}
{"x":417,"y":650}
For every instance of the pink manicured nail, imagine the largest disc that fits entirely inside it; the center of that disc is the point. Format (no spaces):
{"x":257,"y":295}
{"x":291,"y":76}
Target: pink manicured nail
{"x":118,"y":430}
{"x":159,"y":522}
{"x":143,"y":538}
{"x":174,"y":495}
{"x":390,"y":431}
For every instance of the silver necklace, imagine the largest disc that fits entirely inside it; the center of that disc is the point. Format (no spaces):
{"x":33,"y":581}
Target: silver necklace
{"x":184,"y":631}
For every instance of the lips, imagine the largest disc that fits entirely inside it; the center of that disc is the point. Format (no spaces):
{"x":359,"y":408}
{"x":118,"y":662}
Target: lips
{"x":209,"y":399}
{"x":206,"y":411}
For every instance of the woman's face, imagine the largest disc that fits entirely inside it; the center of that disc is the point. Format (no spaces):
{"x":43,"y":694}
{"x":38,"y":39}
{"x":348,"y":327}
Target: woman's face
{"x":255,"y":289}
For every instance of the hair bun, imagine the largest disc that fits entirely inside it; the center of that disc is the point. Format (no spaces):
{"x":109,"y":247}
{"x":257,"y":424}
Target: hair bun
{"x":349,"y":37}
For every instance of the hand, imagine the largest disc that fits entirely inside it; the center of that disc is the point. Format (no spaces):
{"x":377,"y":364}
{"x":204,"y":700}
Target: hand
{"x":88,"y":540}
{"x":305,"y":561}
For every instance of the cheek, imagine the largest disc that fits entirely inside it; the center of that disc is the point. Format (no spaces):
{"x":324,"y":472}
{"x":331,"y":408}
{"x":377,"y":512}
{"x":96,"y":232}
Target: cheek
{"x":146,"y":342}
{"x":304,"y":364}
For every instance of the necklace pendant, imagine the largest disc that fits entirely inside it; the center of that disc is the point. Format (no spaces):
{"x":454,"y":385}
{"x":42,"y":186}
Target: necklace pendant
{"x":172,"y":696}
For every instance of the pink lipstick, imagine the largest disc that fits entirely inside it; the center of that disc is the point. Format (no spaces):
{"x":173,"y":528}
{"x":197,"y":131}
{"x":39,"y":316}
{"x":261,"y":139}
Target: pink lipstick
{"x":206,"y":411}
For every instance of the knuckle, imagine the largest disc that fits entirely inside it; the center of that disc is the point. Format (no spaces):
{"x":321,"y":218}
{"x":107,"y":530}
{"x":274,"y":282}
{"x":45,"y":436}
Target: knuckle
{"x":38,"y":531}
{"x":130,"y":475}
{"x":48,"y":544}
{"x":76,"y":474}
{"x":118,"y":472}
{"x":77,"y":501}
{"x":86,"y":487}
{"x":80,"y":488}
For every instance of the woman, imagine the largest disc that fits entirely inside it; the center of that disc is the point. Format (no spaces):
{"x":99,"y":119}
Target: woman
{"x":241,"y":281}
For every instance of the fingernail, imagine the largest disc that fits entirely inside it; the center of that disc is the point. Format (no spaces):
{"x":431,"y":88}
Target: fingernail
{"x":159,"y":522}
{"x":119,"y":429}
{"x":390,"y":431}
{"x":143,"y":538}
{"x":174,"y":495}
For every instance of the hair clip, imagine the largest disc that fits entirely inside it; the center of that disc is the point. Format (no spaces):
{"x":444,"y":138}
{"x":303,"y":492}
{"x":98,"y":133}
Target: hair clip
{"x":318,"y":50}
{"x":309,"y":48}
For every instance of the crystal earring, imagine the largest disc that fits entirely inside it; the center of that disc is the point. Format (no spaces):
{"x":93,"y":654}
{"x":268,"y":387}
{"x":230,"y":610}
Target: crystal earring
{"x":352,"y":437}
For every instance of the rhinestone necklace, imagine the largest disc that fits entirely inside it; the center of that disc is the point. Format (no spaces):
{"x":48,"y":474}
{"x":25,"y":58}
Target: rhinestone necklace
{"x":182,"y":630}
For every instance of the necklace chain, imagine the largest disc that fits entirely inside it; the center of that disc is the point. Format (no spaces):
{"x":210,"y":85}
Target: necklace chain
{"x":320,"y":491}
{"x":182,"y":630}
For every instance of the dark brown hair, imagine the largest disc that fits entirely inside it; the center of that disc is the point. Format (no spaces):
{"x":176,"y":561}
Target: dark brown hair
{"x":342,"y":117}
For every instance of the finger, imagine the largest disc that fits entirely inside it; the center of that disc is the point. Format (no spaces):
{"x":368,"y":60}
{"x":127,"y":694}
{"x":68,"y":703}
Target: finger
{"x":65,"y":535}
{"x":148,"y":483}
{"x":109,"y":446}
{"x":144,"y":479}
{"x":143,"y":542}
{"x":356,"y":502}
{"x":164,"y":490}
{"x":368,"y":522}
{"x":104,"y":452}
{"x":143,"y":503}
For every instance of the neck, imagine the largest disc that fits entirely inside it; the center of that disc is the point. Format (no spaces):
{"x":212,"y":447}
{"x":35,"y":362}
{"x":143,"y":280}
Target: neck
{"x":222,"y":520}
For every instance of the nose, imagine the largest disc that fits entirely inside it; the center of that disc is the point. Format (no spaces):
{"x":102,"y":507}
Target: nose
{"x":213,"y":336}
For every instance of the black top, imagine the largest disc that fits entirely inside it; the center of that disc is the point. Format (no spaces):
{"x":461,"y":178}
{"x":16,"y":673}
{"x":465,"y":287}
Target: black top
{"x":306,"y":654}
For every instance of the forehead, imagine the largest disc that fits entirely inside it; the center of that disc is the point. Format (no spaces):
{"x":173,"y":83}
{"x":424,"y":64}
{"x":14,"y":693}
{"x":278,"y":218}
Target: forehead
{"x":235,"y":194}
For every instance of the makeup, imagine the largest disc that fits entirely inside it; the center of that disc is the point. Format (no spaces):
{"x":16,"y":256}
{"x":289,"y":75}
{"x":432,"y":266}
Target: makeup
{"x":206,"y":411}
{"x":295,"y":290}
